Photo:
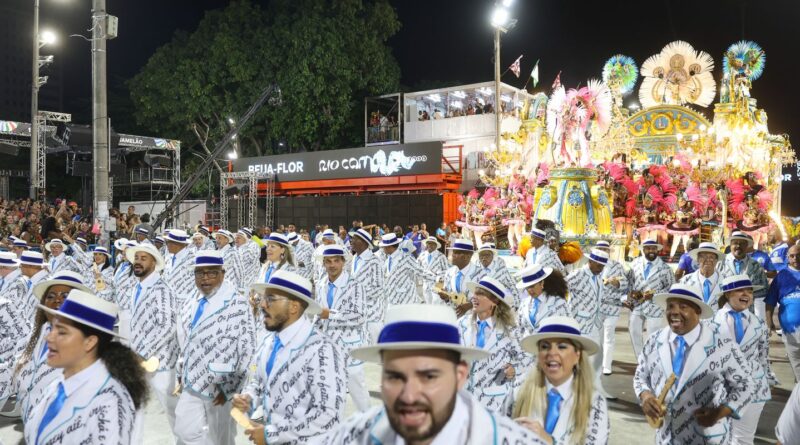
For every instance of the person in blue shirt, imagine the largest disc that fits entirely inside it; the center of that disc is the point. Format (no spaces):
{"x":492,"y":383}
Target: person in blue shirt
{"x":778,"y":254}
{"x":765,"y":262}
{"x":785,"y":290}
{"x":686,"y":265}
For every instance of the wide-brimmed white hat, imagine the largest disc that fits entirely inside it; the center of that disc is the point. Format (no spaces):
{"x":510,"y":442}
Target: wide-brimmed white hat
{"x":332,"y":251}
{"x":246,"y":231}
{"x":130,"y":254}
{"x":739,"y":235}
{"x":177,"y":236}
{"x":141,"y":231}
{"x":66,"y":278}
{"x":602,"y":244}
{"x":20,"y":243}
{"x":686,"y":293}
{"x":328,"y":233}
{"x":292,"y":237}
{"x":390,"y":239}
{"x":9,"y":259}
{"x":208,"y":258}
{"x":294,"y":285}
{"x":464,"y":245}
{"x":363,"y":234}
{"x":203,"y":230}
{"x":559,"y":327}
{"x":53,"y":242}
{"x":735,"y":282}
{"x":651,"y":243}
{"x":487,"y":247}
{"x":494,"y":287}
{"x":277,"y":238}
{"x":87,"y":309}
{"x":432,"y":239}
{"x":532,"y":275}
{"x":598,"y":256}
{"x":32,"y":258}
{"x":224,"y":233}
{"x":119,"y":244}
{"x":708,"y":248}
{"x":81,"y":240}
{"x":102,"y":250}
{"x":411,"y":327}
{"x":541,"y":234}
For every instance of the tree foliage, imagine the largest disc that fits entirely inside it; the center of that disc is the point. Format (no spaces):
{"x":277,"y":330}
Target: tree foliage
{"x":326,"y":56}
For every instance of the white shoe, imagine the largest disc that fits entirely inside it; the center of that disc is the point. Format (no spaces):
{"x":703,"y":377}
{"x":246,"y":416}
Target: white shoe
{"x":607,"y":371}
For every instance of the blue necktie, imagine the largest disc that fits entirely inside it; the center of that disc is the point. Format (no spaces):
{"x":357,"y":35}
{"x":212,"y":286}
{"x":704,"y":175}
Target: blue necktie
{"x":738,"y":265}
{"x":533,"y":257}
{"x":534,"y":311}
{"x":44,"y":346}
{"x":706,"y":290}
{"x":138,"y":292}
{"x":680,"y":351}
{"x":276,"y":346}
{"x":647,"y":269}
{"x":52,"y":409}
{"x":737,"y":325}
{"x":430,"y":258}
{"x":199,"y":312}
{"x":553,"y":409}
{"x":459,"y":277}
{"x":355,"y":264}
{"x":390,"y":264}
{"x":173,"y":260}
{"x":53,"y":265}
{"x":480,"y":341}
{"x":268,"y":274}
{"x":331,"y":290}
{"x":30,"y":283}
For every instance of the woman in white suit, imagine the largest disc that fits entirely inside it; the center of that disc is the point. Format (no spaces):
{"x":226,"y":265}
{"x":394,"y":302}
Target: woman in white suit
{"x":546,"y":296}
{"x":751,"y":334}
{"x":558,"y":400}
{"x":102,"y":385}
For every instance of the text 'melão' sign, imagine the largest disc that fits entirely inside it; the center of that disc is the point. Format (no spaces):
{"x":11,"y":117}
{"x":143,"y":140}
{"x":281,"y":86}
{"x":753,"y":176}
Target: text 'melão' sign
{"x":365,"y":162}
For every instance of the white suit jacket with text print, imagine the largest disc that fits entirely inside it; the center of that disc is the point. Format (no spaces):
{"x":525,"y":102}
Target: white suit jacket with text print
{"x":180,"y":275}
{"x":233,"y":268}
{"x":484,"y":427}
{"x":346,"y":325}
{"x":500,"y":272}
{"x":472,"y":273}
{"x":100,"y":411}
{"x":10,"y":281}
{"x":614,"y":296}
{"x":82,"y":258}
{"x":61,"y":263}
{"x":305,"y":395}
{"x":107,"y":275}
{"x":545,"y":257}
{"x":154,"y":319}
{"x":124,"y":281}
{"x":750,"y":267}
{"x":586,"y":293}
{"x":754,"y":347}
{"x":550,"y":306}
{"x":696,"y":280}
{"x":14,"y":330}
{"x":400,"y":282}
{"x":369,"y":272}
{"x":249,"y":260}
{"x":35,"y":376}
{"x":29,"y":311}
{"x":435,"y":263}
{"x":487,"y":380}
{"x":714,"y":374}
{"x":304,"y":257}
{"x":659,"y":280}
{"x":215,"y":353}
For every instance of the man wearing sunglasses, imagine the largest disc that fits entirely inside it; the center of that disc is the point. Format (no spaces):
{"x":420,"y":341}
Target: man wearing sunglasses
{"x":785,"y":290}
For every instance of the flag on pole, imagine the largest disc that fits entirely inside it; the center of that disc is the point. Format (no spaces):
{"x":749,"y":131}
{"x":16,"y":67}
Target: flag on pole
{"x":557,"y":82}
{"x":515,"y":67}
{"x":535,"y":74}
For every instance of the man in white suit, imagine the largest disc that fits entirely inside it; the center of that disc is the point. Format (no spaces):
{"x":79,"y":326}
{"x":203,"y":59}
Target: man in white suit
{"x":367,"y":269}
{"x":433,"y":261}
{"x":706,"y":278}
{"x":648,"y":276}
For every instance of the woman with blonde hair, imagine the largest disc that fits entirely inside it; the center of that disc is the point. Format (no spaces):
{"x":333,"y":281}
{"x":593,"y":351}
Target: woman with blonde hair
{"x":490,"y":325}
{"x":558,"y":400}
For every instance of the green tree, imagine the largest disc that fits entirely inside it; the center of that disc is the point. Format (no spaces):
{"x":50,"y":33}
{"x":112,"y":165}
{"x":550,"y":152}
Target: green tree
{"x":326,"y":56}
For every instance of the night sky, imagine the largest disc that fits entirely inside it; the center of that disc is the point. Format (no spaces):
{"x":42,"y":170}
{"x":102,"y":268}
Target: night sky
{"x":450,"y":42}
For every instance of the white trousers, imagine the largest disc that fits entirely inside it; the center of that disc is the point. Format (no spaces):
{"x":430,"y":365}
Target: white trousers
{"x":125,"y":326}
{"x":760,"y":308}
{"x":357,"y":386}
{"x":162,"y":384}
{"x":609,"y":338}
{"x":792,"y":343}
{"x":199,"y":422}
{"x":636,"y":325}
{"x":744,"y":429}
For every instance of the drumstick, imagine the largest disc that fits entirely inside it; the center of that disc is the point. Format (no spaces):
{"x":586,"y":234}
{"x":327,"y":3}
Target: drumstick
{"x":657,"y":422}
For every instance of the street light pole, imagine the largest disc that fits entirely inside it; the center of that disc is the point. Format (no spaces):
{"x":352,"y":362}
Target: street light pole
{"x":100,"y":124}
{"x":34,"y":101}
{"x":497,"y":101}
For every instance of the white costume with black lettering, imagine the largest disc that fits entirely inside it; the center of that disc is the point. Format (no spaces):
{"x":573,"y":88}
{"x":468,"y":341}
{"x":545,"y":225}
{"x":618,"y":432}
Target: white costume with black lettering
{"x":30,"y":300}
{"x":124,"y":281}
{"x":469,"y":424}
{"x":107,"y":275}
{"x":215,"y":353}
{"x":436,"y":264}
{"x":758,"y":277}
{"x":36,"y":375}
{"x":659,"y":279}
{"x":14,"y":330}
{"x":545,"y":257}
{"x":83,"y":258}
{"x":500,"y":272}
{"x":610,"y":308}
{"x":304,"y":257}
{"x":304,"y":396}
{"x":368,"y":270}
{"x":179,"y":275}
{"x":471,"y":273}
{"x":487,"y":380}
{"x":233,"y":269}
{"x":401,"y":272}
{"x":63,"y":262}
{"x":249,"y":255}
{"x":10,"y":281}
{"x":97,"y":410}
{"x":697,"y":280}
{"x":714,"y":373}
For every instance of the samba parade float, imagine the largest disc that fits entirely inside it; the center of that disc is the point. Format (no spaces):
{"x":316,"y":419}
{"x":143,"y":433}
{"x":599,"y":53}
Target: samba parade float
{"x":585,"y":168}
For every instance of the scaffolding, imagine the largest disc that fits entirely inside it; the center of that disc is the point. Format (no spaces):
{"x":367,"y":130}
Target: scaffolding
{"x":241,"y":183}
{"x":42,"y":117}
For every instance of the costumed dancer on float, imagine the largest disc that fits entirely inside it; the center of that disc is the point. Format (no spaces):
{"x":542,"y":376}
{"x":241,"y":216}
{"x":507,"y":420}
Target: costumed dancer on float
{"x":368,"y":270}
{"x":738,"y":262}
{"x":424,"y":370}
{"x":33,"y":374}
{"x":154,"y":320}
{"x":752,"y":336}
{"x":706,"y":278}
{"x":496,"y":268}
{"x":490,"y":325}
{"x":615,"y":291}
{"x":435,"y":263}
{"x":297,"y":369}
{"x":650,"y":215}
{"x":712,"y":384}
{"x":102,"y":387}
{"x":343,"y":318}
{"x":647,"y":276}
{"x":558,"y":400}
{"x":686,"y":222}
{"x":211,"y":367}
{"x":178,"y":265}
{"x":516,"y":219}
